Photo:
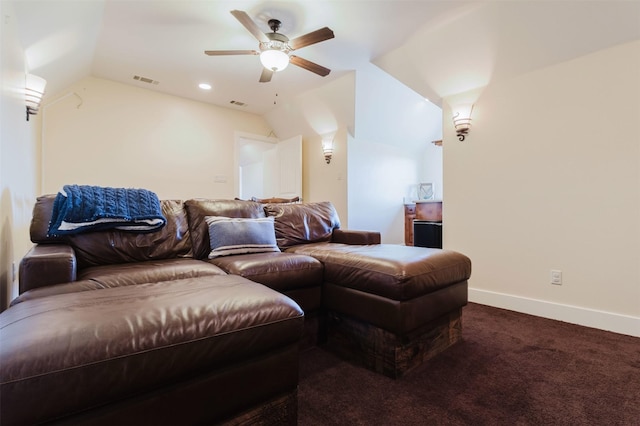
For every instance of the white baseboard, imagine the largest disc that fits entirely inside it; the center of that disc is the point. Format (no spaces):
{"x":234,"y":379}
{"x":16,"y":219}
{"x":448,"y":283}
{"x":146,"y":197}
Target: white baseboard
{"x":623,"y":324}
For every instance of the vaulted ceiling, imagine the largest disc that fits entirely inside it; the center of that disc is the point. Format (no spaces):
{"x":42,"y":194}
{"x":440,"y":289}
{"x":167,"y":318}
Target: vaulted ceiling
{"x":438,"y":48}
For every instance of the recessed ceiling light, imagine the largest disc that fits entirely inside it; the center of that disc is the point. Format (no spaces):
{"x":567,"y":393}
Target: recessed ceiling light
{"x":204,"y":86}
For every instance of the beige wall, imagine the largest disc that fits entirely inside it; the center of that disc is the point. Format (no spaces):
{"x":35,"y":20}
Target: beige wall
{"x":327,"y":182}
{"x":390,"y":152}
{"x":313,"y":114}
{"x":19,"y":157}
{"x":382,"y":147}
{"x":105,"y":133}
{"x":549,"y":178}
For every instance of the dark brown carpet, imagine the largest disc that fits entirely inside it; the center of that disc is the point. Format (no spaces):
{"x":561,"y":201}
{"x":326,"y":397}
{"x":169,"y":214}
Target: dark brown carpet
{"x":509,"y":369}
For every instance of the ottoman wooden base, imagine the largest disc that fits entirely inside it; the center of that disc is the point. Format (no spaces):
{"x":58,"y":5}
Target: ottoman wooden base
{"x":384,"y":352}
{"x":313,"y":330}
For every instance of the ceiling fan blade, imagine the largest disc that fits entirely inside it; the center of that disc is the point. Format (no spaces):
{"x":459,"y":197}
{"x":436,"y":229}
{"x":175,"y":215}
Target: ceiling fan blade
{"x":311,"y":38}
{"x":250,"y":25}
{"x":309,"y":66}
{"x":230,"y":52}
{"x":266,"y":75}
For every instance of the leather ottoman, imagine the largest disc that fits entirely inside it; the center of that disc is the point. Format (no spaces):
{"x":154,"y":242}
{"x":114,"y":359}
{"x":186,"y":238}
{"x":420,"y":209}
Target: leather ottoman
{"x":198,"y":350}
{"x":391,"y":307}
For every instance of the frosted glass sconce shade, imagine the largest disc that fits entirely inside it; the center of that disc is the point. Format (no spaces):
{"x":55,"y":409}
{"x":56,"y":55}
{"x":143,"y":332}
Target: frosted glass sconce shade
{"x":327,"y":149}
{"x":462,"y":121}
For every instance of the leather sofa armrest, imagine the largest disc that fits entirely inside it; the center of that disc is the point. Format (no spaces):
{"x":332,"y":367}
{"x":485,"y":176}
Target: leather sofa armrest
{"x":355,"y":237}
{"x":47,"y":264}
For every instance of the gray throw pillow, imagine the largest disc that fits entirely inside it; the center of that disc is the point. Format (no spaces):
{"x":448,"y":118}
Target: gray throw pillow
{"x":230,"y":235}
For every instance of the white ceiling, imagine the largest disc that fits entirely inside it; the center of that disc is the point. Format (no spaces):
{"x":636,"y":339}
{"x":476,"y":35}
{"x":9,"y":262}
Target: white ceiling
{"x":438,"y":48}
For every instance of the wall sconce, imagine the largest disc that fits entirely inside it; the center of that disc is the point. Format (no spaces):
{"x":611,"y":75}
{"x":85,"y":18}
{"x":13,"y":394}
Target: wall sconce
{"x":34,"y":90}
{"x":462,"y":121}
{"x":327,"y":148}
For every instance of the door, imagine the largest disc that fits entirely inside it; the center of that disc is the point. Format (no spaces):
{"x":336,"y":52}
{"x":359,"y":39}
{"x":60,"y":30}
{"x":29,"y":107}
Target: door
{"x":289,"y":155}
{"x":267,"y":167}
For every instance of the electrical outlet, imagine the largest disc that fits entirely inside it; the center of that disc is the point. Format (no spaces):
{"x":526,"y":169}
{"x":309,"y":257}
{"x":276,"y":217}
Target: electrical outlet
{"x":556,"y":277}
{"x":13,"y":271}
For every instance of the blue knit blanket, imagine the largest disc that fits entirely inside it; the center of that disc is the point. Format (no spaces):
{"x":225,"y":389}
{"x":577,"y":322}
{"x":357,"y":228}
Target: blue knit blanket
{"x":81,"y":208}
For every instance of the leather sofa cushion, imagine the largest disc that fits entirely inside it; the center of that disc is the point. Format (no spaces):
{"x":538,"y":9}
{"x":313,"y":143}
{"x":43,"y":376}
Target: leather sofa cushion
{"x":392,"y":271}
{"x":109,"y":247}
{"x":54,"y":290}
{"x":280,"y":271}
{"x":83,"y":350}
{"x":152,"y":271}
{"x":39,"y":227}
{"x":198,"y":209}
{"x":126,"y":274}
{"x":303,"y":223}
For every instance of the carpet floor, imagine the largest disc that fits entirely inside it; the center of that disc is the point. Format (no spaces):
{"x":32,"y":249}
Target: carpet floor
{"x":508,"y":369}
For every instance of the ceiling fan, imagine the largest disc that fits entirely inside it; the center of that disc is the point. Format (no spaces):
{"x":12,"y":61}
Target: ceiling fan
{"x":275,"y":48}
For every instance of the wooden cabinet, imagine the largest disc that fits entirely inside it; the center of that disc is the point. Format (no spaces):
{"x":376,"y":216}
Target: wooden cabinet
{"x":430,"y":210}
{"x":409,"y":215}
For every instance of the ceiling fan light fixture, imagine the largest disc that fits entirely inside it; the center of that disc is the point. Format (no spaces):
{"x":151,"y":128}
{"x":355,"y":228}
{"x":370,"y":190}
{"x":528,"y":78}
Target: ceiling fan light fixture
{"x":275,"y":48}
{"x":274,"y":60}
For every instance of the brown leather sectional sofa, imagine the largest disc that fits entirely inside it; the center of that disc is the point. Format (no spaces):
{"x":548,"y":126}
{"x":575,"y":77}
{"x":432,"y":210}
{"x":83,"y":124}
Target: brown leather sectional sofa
{"x":114,"y":327}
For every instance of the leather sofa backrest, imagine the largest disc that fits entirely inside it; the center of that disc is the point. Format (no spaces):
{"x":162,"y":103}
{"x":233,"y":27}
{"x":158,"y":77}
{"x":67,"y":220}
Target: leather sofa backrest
{"x":113,"y":246}
{"x":303,"y":223}
{"x":198,"y":209}
{"x":40,"y":221}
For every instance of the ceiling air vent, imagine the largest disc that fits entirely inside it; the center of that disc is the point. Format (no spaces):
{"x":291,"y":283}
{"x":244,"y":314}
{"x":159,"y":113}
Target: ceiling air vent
{"x":238,"y":103}
{"x":145,"y":79}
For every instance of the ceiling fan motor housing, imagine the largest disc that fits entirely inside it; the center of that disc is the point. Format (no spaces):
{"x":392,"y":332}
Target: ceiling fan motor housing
{"x":276,"y":41}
